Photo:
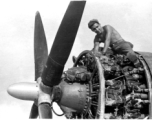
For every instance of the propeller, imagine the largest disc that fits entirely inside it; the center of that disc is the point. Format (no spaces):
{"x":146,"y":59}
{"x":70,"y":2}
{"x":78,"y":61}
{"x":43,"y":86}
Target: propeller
{"x":40,"y":46}
{"x":63,"y":43}
{"x":34,"y":111}
{"x":48,"y":69}
{"x":40,"y":55}
{"x":45,"y":111}
{"x":48,"y":74}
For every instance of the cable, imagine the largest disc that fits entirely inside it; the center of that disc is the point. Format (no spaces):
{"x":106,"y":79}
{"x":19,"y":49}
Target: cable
{"x":56,"y":113}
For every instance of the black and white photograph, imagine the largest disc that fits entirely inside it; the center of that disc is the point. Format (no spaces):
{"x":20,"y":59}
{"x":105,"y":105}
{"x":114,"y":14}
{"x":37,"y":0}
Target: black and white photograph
{"x":76,"y":59}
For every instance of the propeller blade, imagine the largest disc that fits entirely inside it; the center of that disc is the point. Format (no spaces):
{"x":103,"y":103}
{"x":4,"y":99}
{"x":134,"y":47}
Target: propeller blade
{"x":44,"y":111}
{"x":40,"y":46}
{"x":63,"y":43}
{"x":34,"y":111}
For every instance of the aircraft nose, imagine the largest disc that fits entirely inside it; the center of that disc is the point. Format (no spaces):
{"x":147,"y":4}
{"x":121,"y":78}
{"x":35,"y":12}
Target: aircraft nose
{"x":24,"y":91}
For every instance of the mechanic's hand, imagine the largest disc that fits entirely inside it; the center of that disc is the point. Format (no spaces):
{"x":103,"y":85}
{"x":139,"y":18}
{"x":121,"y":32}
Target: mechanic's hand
{"x":97,"y":54}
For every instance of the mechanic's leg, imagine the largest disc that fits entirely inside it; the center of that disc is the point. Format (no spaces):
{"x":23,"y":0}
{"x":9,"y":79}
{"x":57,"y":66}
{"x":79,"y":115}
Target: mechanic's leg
{"x":126,"y":48}
{"x":133,"y":58}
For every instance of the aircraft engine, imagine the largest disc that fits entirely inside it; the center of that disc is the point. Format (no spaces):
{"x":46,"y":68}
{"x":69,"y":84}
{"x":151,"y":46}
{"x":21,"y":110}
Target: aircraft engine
{"x":125,"y":95}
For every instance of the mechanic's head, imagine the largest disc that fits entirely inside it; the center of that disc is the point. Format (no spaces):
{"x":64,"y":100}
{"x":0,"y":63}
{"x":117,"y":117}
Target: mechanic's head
{"x":95,"y":26}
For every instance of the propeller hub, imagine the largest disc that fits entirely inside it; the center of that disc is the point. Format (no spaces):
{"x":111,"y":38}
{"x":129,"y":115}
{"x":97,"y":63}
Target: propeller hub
{"x":45,"y":93}
{"x":24,"y":91}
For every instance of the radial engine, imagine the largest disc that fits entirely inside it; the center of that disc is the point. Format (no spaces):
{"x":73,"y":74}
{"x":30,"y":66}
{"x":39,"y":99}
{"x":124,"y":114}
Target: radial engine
{"x":109,"y":87}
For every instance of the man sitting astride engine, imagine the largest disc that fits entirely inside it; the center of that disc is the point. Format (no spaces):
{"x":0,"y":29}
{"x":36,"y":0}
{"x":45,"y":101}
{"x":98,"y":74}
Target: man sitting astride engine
{"x":111,"y":38}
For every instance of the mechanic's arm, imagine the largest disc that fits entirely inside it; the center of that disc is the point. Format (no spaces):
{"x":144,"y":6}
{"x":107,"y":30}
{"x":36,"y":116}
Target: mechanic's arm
{"x":108,"y":39}
{"x":96,"y":45}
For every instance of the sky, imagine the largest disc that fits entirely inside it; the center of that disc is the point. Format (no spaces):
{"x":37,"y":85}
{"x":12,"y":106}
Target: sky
{"x":131,"y":18}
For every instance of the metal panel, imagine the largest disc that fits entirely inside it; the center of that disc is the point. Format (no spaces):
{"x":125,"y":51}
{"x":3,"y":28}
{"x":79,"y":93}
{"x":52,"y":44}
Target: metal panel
{"x":148,"y":59}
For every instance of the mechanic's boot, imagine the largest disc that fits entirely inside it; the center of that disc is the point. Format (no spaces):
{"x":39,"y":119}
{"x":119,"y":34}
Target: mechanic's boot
{"x":137,"y":64}
{"x":74,"y":59}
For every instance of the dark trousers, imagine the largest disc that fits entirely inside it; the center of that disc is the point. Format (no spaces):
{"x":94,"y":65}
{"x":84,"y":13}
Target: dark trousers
{"x":125,"y":48}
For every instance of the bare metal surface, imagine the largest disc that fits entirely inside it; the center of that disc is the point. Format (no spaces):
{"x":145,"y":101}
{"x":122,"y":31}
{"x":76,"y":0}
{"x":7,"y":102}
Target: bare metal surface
{"x":147,"y":63}
{"x":24,"y":91}
{"x":101,"y":109}
{"x":44,"y":93}
{"x":73,"y":96}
